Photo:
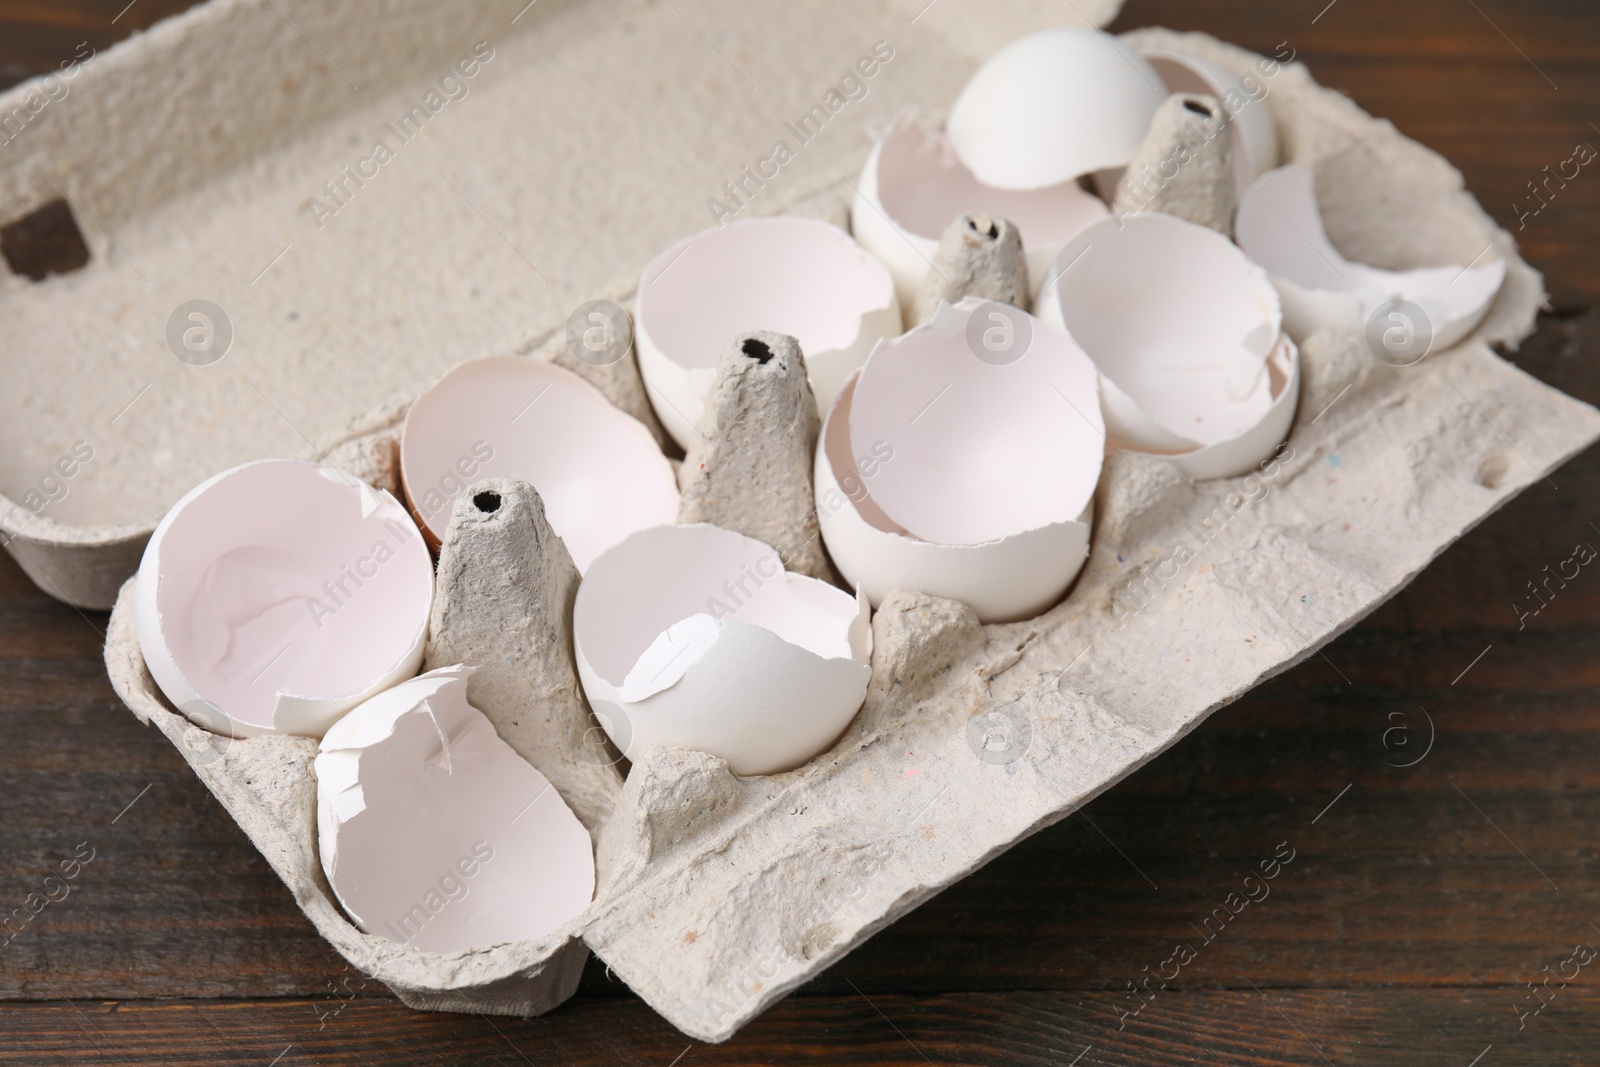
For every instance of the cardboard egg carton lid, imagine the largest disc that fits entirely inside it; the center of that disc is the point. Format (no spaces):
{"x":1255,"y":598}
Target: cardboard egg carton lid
{"x":232,"y":155}
{"x":591,"y":139}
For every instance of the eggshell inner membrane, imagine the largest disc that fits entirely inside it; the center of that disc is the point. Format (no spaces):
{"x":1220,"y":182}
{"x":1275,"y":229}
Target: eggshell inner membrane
{"x":661,"y":577}
{"x":1014,"y":578}
{"x":1177,"y":318}
{"x":980,"y":451}
{"x":270,"y":581}
{"x":1280,"y":227}
{"x":434,"y":832}
{"x":1052,"y":106}
{"x":796,"y":276}
{"x":1282,"y":230}
{"x":923,"y":186}
{"x":599,"y":472}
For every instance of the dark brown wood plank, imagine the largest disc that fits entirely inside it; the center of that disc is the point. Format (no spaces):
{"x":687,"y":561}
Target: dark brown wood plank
{"x":1261,"y":1027}
{"x":37,"y":36}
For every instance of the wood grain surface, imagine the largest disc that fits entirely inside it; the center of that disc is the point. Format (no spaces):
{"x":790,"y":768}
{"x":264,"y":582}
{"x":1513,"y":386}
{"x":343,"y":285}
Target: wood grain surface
{"x":1436,"y":775}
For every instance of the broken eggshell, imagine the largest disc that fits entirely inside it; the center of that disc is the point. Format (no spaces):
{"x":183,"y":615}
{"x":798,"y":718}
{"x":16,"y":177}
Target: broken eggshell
{"x":1280,"y":227}
{"x":598,"y":470}
{"x":277,"y":595}
{"x":1053,"y":106}
{"x":433,"y":832}
{"x":1187,"y":335}
{"x":965,"y":477}
{"x":696,"y":637}
{"x":1253,"y":132}
{"x":802,"y":277}
{"x":913,"y":186}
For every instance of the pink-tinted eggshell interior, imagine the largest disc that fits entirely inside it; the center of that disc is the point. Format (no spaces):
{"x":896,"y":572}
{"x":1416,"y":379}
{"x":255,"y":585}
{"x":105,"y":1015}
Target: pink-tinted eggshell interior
{"x":271,"y":581}
{"x":796,"y":276}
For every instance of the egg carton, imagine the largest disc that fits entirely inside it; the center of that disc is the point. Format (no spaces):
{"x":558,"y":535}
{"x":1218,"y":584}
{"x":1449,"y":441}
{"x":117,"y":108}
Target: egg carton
{"x":716,"y":894}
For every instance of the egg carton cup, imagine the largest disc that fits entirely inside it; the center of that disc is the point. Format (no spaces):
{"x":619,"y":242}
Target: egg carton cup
{"x":718,"y":895}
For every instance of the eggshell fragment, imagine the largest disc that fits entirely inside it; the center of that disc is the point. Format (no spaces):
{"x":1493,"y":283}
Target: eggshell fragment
{"x":913,"y":186}
{"x":599,"y":471}
{"x":1254,"y":134}
{"x":1187,"y":335}
{"x":1052,"y":106}
{"x":433,"y":832}
{"x":965,"y":477}
{"x":696,"y":636}
{"x":277,"y":595}
{"x":1280,"y":227}
{"x":800,"y":277}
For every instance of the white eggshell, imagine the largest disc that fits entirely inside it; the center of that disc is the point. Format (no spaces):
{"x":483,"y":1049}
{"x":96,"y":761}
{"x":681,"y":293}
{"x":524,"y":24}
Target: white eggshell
{"x":802,"y":277}
{"x":1052,"y":106}
{"x":1239,"y":455}
{"x":277,"y":595}
{"x":950,"y":475}
{"x":696,"y":636}
{"x":1280,"y":227}
{"x":434,"y":832}
{"x":598,"y":470}
{"x":913,"y":187}
{"x":1187,"y":334}
{"x":1014,"y":578}
{"x":1254,"y":133}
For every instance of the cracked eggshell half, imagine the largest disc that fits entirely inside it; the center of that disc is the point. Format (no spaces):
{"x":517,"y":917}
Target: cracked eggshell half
{"x":1187,"y":335}
{"x":279,"y":594}
{"x":433,"y":832}
{"x":598,"y":470}
{"x":1254,"y":133}
{"x":965,"y":477}
{"x":695,"y":636}
{"x":1053,"y":106}
{"x":913,"y":186}
{"x":802,"y":277}
{"x":1280,"y":227}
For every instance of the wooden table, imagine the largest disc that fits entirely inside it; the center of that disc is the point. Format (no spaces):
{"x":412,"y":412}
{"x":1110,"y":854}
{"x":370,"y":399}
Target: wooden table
{"x":1422,"y":899}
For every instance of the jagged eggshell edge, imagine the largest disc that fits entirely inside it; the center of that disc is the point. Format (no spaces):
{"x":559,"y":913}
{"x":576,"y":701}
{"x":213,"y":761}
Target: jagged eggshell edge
{"x":909,"y":255}
{"x":754,"y":699}
{"x":293,"y":714}
{"x":678,"y":393}
{"x":1307,"y":307}
{"x":1053,"y":106}
{"x":652,"y":494}
{"x":1016,"y":577}
{"x":564,"y":845}
{"x":1131,"y":429}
